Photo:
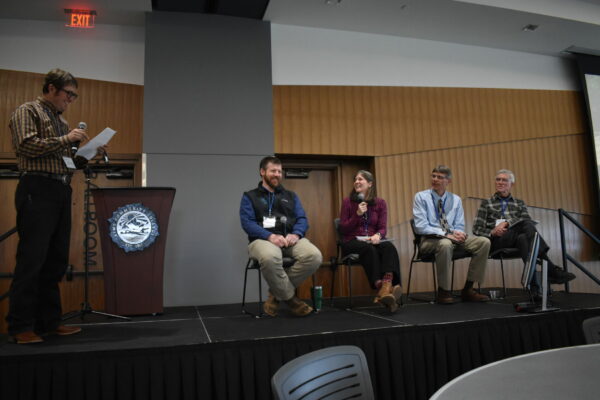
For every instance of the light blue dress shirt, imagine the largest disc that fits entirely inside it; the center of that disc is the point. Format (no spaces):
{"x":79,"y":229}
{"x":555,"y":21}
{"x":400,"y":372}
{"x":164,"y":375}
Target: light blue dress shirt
{"x":427,"y":221}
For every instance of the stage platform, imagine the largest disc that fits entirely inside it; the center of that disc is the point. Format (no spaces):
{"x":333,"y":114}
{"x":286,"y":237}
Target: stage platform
{"x":216,"y":352}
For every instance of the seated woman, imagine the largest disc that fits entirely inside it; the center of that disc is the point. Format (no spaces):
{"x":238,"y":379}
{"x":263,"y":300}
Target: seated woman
{"x":363,"y":225}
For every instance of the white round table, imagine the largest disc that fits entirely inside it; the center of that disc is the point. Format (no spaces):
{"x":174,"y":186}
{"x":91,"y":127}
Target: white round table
{"x":564,"y":373}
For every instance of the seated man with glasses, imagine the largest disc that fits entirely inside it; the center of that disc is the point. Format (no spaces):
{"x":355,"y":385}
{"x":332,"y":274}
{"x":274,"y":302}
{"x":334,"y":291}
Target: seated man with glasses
{"x":505,"y":220}
{"x":439,"y":218}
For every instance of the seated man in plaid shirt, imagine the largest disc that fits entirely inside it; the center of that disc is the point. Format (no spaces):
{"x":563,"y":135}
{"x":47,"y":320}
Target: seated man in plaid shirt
{"x":505,"y":220}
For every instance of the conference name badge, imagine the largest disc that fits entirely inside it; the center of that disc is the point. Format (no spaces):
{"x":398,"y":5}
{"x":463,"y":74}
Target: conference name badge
{"x":133,"y":227}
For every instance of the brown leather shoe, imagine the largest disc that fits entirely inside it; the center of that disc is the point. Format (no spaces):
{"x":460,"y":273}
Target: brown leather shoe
{"x":298,"y":307}
{"x":472,"y":296}
{"x":64,"y":330}
{"x":397,"y":293}
{"x":26,"y":338}
{"x":385,"y":297}
{"x":444,"y":297}
{"x":271,"y":305}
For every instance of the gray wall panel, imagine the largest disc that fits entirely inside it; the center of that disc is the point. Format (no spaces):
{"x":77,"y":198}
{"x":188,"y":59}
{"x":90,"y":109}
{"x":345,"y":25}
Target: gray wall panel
{"x":206,"y":247}
{"x":207,"y":124}
{"x":208,"y":85}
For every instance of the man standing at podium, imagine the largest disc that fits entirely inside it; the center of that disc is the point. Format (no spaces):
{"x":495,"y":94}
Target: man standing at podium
{"x":44,"y":148}
{"x":276,"y":223}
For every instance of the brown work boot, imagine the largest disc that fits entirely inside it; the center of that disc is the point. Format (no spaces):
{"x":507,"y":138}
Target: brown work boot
{"x":271,"y":305}
{"x":472,"y":296}
{"x":397,"y":293}
{"x":444,"y":297}
{"x":26,"y":338}
{"x":385,"y":296}
{"x":298,"y":307}
{"x":63,"y":330}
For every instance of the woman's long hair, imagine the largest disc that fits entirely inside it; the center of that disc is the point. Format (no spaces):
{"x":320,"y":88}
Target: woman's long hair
{"x":371,"y":193}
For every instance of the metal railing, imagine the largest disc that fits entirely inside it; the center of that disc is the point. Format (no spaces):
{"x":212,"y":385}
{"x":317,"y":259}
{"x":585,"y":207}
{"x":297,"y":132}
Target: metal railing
{"x":6,"y":275}
{"x":562,"y":214}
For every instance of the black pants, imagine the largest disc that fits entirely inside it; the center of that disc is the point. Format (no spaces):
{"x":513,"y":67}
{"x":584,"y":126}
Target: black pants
{"x":44,"y":227}
{"x":521,"y":236}
{"x":375,"y":259}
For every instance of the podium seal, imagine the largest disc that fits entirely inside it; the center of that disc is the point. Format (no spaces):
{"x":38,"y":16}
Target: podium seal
{"x":133,"y":227}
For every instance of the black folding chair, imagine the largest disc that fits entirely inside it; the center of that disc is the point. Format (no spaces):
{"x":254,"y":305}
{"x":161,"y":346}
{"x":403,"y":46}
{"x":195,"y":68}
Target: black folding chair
{"x":419,"y":257}
{"x":349,"y":260}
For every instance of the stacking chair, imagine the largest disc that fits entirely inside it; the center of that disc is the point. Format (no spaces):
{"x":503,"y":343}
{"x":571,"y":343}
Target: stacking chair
{"x":333,"y":373}
{"x":509,"y":253}
{"x":253,"y":264}
{"x":349,"y":260}
{"x":591,"y":330}
{"x":428,"y":258}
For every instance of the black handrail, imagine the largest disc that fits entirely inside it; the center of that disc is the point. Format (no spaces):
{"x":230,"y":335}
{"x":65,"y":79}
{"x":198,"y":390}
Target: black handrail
{"x":565,"y":255}
{"x":2,"y":237}
{"x":8,"y":233}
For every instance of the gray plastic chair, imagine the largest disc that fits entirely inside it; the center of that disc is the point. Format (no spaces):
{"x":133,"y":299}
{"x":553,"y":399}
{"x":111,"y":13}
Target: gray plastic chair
{"x":591,"y":330}
{"x":334,"y":373}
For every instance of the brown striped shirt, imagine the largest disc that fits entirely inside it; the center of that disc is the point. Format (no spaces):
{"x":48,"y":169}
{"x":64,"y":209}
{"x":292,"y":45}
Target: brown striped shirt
{"x":39,"y":137}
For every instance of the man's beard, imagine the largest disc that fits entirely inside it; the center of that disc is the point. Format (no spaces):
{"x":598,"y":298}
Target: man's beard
{"x":271,"y":185}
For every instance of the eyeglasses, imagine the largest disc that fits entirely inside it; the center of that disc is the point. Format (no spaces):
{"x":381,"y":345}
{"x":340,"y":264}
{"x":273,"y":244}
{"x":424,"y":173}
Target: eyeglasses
{"x":440,"y":177}
{"x":70,"y":94}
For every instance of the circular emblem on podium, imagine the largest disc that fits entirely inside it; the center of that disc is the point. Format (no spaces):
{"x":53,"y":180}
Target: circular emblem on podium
{"x":133,"y":227}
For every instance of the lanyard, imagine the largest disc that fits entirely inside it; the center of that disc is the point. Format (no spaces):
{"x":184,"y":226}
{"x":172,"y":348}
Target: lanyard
{"x":270,"y":201}
{"x":435,"y":207}
{"x":504,"y":205}
{"x":366,"y":223}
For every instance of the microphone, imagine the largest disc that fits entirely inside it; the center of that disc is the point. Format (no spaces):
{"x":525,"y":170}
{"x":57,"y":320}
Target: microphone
{"x":361,"y":197}
{"x":75,"y":145}
{"x":283,"y":222}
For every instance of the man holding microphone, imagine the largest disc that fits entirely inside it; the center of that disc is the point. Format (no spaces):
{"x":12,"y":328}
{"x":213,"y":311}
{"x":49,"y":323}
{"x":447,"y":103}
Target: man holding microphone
{"x":44,"y":148}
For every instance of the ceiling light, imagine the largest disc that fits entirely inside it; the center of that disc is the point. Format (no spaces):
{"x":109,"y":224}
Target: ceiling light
{"x":530,"y":28}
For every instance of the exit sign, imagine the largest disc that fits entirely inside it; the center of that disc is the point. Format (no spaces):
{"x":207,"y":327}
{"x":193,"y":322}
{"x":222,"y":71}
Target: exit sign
{"x":80,"y":18}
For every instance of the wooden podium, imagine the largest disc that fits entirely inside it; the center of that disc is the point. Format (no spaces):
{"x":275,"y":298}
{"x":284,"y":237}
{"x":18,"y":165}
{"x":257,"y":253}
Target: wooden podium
{"x":133,"y":278}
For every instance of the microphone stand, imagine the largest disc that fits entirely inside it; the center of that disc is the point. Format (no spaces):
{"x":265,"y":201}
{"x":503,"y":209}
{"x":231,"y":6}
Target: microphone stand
{"x":86,"y":307}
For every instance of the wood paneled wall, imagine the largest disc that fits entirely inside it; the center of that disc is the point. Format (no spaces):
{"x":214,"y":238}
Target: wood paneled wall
{"x":100,"y":104}
{"x":380,"y":121}
{"x":538,"y":134}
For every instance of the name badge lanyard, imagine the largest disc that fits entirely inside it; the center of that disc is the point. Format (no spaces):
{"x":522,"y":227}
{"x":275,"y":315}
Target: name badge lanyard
{"x":435,"y":207}
{"x":504,"y":205}
{"x":270,"y":202}
{"x":366,"y":223}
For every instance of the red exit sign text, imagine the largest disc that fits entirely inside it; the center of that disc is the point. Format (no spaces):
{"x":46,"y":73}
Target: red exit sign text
{"x":80,"y":18}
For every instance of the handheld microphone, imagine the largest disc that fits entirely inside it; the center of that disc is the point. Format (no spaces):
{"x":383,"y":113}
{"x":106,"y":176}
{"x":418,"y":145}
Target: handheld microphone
{"x":283,"y":222}
{"x":361,"y":197}
{"x":75,"y":145}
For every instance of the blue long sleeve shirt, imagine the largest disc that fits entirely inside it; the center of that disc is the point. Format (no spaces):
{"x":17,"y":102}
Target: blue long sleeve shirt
{"x":254,"y":227}
{"x":427,"y":220}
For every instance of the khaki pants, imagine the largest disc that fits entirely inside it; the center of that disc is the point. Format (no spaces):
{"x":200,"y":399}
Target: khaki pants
{"x":443,"y":249}
{"x":283,"y":282}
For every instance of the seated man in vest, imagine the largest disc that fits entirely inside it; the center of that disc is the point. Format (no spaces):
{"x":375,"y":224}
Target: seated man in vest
{"x":440,"y":219}
{"x":275,"y":222}
{"x":505,"y":220}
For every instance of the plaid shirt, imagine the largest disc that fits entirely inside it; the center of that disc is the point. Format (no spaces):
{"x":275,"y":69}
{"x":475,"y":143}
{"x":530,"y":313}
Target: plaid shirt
{"x":39,"y":137}
{"x":491,"y":209}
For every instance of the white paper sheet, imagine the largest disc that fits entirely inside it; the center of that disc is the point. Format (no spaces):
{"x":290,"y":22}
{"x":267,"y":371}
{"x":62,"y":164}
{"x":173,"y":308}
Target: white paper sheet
{"x":89,"y":150}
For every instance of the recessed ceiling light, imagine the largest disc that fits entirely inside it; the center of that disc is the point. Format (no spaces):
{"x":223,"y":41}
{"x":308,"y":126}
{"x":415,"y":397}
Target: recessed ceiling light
{"x":530,"y":28}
